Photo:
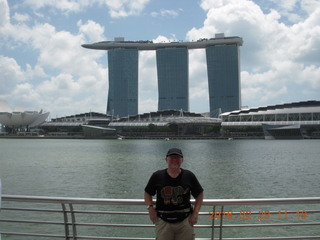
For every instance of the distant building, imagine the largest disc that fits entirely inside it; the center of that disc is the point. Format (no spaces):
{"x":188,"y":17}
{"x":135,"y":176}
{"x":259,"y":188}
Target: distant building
{"x":168,"y":123}
{"x":123,"y":82}
{"x":19,"y":119}
{"x":172,"y":68}
{"x":173,"y":81}
{"x":74,"y":125}
{"x":289,"y":120}
{"x":223,"y":78}
{"x":160,"y":124}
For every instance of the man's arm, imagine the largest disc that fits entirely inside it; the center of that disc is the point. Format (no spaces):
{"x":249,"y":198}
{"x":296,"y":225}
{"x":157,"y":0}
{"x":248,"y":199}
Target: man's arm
{"x":152,"y":211}
{"x":193,"y":219}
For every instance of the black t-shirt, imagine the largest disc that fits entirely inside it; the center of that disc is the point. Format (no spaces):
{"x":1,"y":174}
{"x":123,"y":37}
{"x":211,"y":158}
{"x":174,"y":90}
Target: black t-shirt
{"x":173,"y":193}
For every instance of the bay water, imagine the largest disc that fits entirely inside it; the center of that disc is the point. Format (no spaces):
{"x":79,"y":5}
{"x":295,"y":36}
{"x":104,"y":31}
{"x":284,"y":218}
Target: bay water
{"x":120,"y":169}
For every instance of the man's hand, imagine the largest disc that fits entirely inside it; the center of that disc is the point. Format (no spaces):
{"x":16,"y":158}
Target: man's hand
{"x":152,"y":212}
{"x":153,"y":215}
{"x":193,"y":219}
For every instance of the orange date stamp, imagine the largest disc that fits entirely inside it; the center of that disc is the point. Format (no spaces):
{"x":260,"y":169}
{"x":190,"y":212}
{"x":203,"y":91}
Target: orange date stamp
{"x":257,"y":215}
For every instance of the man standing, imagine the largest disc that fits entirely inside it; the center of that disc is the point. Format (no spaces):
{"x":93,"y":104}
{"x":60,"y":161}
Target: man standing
{"x":173,"y":214}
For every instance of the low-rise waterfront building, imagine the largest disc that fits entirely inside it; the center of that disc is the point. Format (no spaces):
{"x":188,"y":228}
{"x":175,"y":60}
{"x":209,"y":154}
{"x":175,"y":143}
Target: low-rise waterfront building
{"x":73,"y":125}
{"x":167,"y":123}
{"x":289,"y":120}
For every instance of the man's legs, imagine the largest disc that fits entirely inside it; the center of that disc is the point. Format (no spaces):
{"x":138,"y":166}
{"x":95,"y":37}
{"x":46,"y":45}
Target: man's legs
{"x":163,"y":230}
{"x":174,"y":231}
{"x":184,"y":231}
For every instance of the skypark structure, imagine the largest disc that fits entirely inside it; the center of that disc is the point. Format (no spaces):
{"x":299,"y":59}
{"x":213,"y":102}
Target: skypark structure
{"x":223,"y":70}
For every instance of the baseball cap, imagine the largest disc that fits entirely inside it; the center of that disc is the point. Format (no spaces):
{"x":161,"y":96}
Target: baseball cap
{"x":174,"y":151}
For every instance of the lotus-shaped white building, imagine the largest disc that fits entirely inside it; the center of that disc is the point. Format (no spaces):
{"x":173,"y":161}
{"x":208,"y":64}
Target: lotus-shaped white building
{"x":20,"y":118}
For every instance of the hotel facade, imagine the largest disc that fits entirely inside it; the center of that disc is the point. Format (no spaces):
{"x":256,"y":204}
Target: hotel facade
{"x":223,"y":69}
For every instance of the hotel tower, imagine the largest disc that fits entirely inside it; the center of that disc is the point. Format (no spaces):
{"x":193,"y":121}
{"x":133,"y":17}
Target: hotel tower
{"x":223,"y":69}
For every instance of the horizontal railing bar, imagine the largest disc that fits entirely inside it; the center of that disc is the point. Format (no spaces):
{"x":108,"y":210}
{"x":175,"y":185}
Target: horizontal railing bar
{"x":261,"y":201}
{"x":274,"y":238}
{"x":112,"y":225}
{"x":266,"y":238}
{"x":312,"y":211}
{"x":268,"y":225}
{"x":32,"y":234}
{"x":31,"y":221}
{"x":200,"y":213}
{"x":96,"y":201}
{"x":276,"y":212}
{"x":32,"y":210}
{"x":256,"y":225}
{"x":125,"y":238}
{"x":109,"y":212}
{"x":113,"y":238}
{"x":206,"y":202}
{"x":202,"y":226}
{"x":75,"y":211}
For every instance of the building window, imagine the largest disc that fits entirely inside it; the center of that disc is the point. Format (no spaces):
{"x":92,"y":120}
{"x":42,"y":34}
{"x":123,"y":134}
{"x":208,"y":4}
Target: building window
{"x":246,"y":118}
{"x":225,"y":118}
{"x":316,"y":116}
{"x":234,"y":118}
{"x":257,"y":118}
{"x":305,"y":117}
{"x":281,"y":117}
{"x":270,"y":117}
{"x":293,"y":117}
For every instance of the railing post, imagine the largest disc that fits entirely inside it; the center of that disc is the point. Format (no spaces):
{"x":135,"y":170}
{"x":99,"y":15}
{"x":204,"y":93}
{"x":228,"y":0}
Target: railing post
{"x":221,"y":219}
{"x":212,"y":225}
{"x":65,"y":220}
{"x":73,"y":219}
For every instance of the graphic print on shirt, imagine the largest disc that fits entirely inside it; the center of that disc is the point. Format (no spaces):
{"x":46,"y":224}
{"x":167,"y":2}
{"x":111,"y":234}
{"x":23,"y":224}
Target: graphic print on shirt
{"x":173,"y":195}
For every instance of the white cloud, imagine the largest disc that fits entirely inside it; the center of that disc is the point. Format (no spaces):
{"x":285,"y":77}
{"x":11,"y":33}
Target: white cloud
{"x":117,"y":8}
{"x":64,"y":6}
{"x":28,"y":96}
{"x":64,"y":84}
{"x":65,"y":75}
{"x":295,"y":11}
{"x":198,"y":81}
{"x":125,"y":8}
{"x":310,"y":5}
{"x":165,"y":13}
{"x":21,"y":17}
{"x":275,"y":58}
{"x":92,"y":31}
{"x":11,"y":74}
{"x":147,"y":82}
{"x":34,"y":72}
{"x":4,"y":13}
{"x":148,"y":105}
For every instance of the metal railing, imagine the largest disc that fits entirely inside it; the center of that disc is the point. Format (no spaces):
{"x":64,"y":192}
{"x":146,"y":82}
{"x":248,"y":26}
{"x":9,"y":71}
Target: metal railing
{"x":30,"y":217}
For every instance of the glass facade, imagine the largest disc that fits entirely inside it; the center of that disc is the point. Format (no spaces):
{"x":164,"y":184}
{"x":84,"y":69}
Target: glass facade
{"x":280,"y":117}
{"x":173,"y":82}
{"x":123,"y":82}
{"x":223,"y":78}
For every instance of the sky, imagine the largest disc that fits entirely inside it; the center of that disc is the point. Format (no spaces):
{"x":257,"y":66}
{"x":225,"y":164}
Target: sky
{"x":43,"y":66}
